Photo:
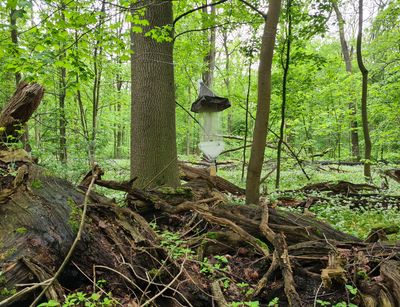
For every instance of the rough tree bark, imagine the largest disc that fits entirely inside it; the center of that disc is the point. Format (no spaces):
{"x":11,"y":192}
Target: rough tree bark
{"x":263,"y":103}
{"x":355,"y":147}
{"x":364,"y":111}
{"x":153,"y":131}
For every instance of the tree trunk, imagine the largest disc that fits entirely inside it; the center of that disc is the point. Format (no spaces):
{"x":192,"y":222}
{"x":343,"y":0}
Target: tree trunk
{"x":364,"y":112}
{"x":227,"y":79}
{"x":153,"y":131}
{"x":263,"y":103}
{"x":14,"y":40}
{"x":20,"y":108}
{"x":97,"y":68}
{"x":246,"y":125}
{"x":62,"y":93}
{"x":209,"y":59}
{"x":285,"y":67}
{"x":355,"y":147}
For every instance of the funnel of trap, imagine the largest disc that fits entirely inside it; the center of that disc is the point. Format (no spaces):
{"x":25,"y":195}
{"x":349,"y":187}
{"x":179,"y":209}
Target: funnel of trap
{"x":209,"y":106}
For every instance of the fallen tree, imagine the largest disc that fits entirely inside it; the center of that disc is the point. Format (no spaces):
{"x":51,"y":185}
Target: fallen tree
{"x":189,"y":246}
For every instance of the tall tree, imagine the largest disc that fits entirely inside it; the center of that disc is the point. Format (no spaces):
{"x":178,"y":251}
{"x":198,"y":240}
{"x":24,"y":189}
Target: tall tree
{"x":364,"y":111}
{"x":153,"y":132}
{"x":209,"y":59}
{"x":14,"y":39}
{"x":263,"y":103}
{"x":285,"y":66}
{"x":62,"y":93}
{"x":97,"y":69}
{"x":355,"y":147}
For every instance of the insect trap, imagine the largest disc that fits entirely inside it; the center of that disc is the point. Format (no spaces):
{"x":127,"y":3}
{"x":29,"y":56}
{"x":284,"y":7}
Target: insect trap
{"x":209,"y":107}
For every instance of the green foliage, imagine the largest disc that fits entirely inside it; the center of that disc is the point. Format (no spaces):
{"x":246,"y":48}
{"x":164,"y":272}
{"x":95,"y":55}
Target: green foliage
{"x":172,"y":242}
{"x":219,"y":264}
{"x":74,"y":215}
{"x":95,"y":299}
{"x":247,"y":304}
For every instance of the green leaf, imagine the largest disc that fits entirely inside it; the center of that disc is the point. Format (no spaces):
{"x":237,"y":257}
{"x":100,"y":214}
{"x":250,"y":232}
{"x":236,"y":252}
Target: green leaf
{"x":136,"y":29}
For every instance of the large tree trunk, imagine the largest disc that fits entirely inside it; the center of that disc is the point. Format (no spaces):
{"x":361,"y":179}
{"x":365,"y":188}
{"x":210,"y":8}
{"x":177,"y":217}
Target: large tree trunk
{"x":355,"y":147}
{"x":153,"y":132}
{"x":364,"y":111}
{"x":263,"y":103}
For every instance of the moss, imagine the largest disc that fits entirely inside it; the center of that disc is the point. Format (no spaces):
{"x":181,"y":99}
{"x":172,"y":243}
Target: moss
{"x":2,"y":279}
{"x":181,"y":191}
{"x":74,"y":215}
{"x":262,"y":244}
{"x":154,"y":272}
{"x":4,"y":292}
{"x":36,"y":184}
{"x":212,"y":235}
{"x":21,"y":230}
{"x":7,"y":253}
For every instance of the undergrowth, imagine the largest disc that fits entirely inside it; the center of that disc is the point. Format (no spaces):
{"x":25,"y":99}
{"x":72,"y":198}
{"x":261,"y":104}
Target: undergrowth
{"x":356,"y":221}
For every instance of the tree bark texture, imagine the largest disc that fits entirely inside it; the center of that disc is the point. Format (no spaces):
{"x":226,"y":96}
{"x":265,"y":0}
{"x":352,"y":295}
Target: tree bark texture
{"x":364,"y":111}
{"x":209,"y":59}
{"x":263,"y":103}
{"x":355,"y":146}
{"x":25,"y":101}
{"x":153,"y":131}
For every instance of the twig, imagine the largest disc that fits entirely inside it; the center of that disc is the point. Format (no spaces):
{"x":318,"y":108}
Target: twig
{"x":72,"y":248}
{"x":218,"y":295}
{"x":94,"y":282}
{"x":166,"y":287}
{"x":24,"y":291}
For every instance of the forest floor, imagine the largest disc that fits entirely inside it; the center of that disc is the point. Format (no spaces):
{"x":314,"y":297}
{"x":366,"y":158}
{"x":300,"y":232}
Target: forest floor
{"x":338,"y":212}
{"x":199,"y":246}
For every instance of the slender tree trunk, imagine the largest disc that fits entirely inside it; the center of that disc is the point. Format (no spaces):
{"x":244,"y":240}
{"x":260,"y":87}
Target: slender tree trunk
{"x":82,"y":112}
{"x":209,"y":59}
{"x":246,"y":128}
{"x":227,"y":79}
{"x":62,"y":121}
{"x":364,"y":112}
{"x":14,"y":40}
{"x":188,"y":121}
{"x":263,"y":103}
{"x":355,"y":147}
{"x":285,"y":67}
{"x":97,"y":68}
{"x":153,"y":131}
{"x":118,"y":125}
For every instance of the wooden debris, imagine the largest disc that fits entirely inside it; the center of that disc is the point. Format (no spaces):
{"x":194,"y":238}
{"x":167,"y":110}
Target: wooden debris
{"x":21,"y":106}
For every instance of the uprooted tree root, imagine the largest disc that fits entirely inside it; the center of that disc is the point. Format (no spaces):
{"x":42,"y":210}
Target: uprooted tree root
{"x":175,"y":247}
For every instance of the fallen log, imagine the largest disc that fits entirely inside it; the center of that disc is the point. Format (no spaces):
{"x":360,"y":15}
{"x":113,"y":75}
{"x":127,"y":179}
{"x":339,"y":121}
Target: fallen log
{"x":190,"y":173}
{"x":393,"y":174}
